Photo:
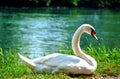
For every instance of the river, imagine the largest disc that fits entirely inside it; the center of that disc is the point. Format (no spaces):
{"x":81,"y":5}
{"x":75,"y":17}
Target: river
{"x":45,"y":30}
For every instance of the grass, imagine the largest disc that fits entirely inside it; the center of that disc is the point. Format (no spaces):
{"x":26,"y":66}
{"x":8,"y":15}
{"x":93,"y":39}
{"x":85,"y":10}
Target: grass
{"x":108,"y":65}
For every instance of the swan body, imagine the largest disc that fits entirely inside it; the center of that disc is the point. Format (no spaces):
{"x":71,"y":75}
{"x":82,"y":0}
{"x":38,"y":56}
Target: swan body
{"x":70,"y":64}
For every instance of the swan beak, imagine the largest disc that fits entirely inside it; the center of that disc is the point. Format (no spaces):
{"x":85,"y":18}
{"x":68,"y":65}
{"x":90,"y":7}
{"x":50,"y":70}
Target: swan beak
{"x":94,"y":35}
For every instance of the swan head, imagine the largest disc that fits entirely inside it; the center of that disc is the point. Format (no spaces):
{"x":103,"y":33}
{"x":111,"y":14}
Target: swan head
{"x":89,"y":29}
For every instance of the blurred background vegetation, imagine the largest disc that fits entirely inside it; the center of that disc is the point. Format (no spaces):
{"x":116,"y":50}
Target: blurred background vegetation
{"x":62,"y":3}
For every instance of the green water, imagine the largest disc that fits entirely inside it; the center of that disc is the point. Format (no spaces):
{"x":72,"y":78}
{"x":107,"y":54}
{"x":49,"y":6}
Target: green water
{"x":45,"y":30}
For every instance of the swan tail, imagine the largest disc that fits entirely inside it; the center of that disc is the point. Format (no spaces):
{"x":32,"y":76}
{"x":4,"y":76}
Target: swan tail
{"x":27,"y":61}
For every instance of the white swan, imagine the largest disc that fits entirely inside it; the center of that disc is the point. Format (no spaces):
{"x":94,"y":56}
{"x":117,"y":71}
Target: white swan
{"x":56,"y":62}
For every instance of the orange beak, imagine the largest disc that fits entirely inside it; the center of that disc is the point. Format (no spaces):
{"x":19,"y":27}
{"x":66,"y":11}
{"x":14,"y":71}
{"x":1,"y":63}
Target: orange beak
{"x":94,"y":35}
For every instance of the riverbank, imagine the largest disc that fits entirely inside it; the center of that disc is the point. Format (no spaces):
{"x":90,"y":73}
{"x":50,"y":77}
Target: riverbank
{"x":107,"y":59}
{"x":114,"y":4}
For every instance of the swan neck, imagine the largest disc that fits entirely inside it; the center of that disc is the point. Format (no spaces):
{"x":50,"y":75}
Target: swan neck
{"x":77,"y":50}
{"x":75,"y":42}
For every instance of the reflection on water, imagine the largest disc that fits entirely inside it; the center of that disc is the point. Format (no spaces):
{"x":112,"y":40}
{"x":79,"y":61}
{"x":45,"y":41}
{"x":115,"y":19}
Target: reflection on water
{"x":45,"y":30}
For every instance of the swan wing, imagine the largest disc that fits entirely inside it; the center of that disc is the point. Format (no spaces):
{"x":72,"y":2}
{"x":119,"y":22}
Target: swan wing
{"x":56,"y":59}
{"x":64,"y":63}
{"x":60,"y":60}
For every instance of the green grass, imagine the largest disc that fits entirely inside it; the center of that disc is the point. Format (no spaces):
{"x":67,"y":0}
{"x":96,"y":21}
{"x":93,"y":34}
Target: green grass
{"x":108,"y":65}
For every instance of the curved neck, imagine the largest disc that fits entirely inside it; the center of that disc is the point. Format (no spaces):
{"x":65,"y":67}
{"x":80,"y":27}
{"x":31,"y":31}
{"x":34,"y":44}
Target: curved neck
{"x":77,"y":50}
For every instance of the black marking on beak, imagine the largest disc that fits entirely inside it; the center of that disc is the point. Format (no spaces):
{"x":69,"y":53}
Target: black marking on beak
{"x":93,"y":33}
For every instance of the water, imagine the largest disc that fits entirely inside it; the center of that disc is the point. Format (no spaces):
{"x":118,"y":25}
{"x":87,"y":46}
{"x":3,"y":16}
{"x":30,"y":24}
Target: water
{"x":41,"y":31}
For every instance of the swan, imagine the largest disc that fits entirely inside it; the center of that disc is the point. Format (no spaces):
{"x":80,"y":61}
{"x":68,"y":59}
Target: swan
{"x":63,"y":63}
